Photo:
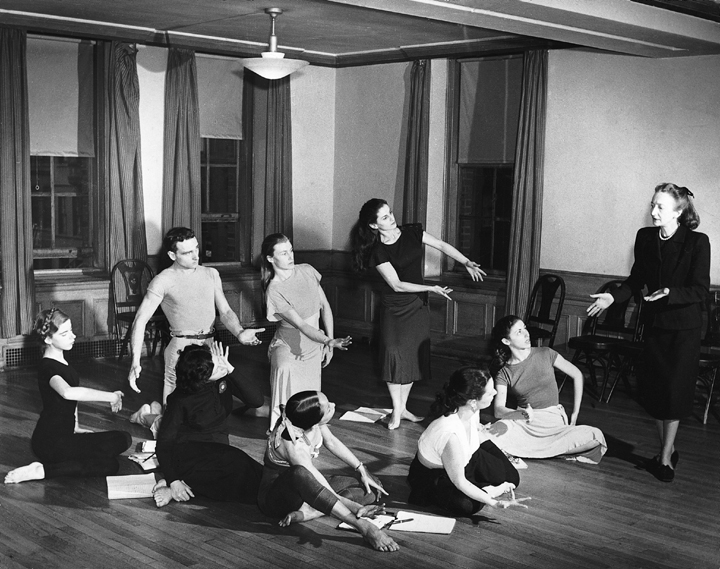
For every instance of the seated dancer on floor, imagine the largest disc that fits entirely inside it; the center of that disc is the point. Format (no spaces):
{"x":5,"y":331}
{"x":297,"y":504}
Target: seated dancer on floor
{"x":457,"y":466}
{"x":539,"y":427}
{"x":65,"y":448}
{"x":193,"y":447}
{"x":294,"y":490}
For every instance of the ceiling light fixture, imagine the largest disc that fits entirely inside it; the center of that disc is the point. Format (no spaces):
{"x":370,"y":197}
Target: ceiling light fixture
{"x":272,"y":63}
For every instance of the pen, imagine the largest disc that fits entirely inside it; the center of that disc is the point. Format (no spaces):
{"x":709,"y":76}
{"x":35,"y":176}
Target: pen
{"x":148,"y":458}
{"x":394,"y":522}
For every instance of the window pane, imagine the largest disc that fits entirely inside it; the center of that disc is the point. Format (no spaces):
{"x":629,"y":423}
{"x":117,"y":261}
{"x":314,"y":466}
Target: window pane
{"x":220,"y":241}
{"x":61,"y":215}
{"x":223,"y":190}
{"x":223,"y":151}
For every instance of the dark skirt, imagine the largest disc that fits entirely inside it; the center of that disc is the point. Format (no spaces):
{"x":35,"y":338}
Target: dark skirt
{"x":667,"y":378}
{"x":432,"y":486}
{"x":405,"y":341}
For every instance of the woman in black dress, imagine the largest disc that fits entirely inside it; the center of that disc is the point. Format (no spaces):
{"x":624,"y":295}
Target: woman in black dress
{"x":397,"y":254}
{"x":62,"y":445}
{"x":673,"y":262}
{"x":193,"y":446}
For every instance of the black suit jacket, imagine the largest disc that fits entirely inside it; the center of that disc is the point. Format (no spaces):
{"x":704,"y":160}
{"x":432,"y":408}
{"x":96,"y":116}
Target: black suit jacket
{"x":686,"y":265}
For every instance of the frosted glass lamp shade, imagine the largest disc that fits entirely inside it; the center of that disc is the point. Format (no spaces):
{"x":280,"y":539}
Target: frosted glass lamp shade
{"x":273,"y":65}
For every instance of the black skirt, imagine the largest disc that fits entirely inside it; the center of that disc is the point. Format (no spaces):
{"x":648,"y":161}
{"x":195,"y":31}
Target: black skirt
{"x":405,"y":340}
{"x":667,"y":378}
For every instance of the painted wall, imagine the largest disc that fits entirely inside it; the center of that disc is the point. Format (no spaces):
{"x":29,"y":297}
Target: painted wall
{"x":617,"y":126}
{"x":313,"y":156}
{"x":151,"y":68}
{"x":370,"y":106}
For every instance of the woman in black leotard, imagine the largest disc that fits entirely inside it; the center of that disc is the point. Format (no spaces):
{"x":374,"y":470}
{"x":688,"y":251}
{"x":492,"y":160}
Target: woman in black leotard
{"x":63,"y":447}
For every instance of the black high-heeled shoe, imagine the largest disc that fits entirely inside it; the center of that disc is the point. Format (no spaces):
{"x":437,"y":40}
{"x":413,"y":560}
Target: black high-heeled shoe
{"x":661,"y":471}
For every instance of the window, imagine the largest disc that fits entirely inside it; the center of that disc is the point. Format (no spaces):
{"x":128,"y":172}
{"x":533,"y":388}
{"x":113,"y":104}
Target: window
{"x":63,"y":175}
{"x":226,"y":200}
{"x":485,"y":106}
{"x":61,"y":203}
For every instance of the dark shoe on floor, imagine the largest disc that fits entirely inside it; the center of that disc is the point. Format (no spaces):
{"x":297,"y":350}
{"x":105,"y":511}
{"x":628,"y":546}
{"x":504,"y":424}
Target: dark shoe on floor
{"x":662,"y":472}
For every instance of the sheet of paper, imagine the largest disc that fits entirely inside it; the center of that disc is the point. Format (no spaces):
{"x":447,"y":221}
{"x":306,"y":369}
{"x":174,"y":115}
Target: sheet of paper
{"x":131,"y":486}
{"x":365,"y":415}
{"x":147,"y":460}
{"x":416,"y":522}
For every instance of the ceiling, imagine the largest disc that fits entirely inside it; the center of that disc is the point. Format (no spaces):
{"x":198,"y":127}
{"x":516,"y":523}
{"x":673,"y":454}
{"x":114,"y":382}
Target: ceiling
{"x":339,"y":33}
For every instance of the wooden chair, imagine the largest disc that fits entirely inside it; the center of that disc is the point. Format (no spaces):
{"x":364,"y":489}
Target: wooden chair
{"x":540,"y":318}
{"x":709,"y":359}
{"x":594,"y":348}
{"x":129,"y":280}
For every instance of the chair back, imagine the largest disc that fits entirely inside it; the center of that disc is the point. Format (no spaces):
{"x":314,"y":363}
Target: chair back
{"x":129,"y":280}
{"x":545,"y":307}
{"x":614,"y":320}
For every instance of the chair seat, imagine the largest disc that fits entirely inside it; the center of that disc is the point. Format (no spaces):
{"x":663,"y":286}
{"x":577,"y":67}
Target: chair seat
{"x":593,"y":342}
{"x":709,"y":360}
{"x":536,"y":332}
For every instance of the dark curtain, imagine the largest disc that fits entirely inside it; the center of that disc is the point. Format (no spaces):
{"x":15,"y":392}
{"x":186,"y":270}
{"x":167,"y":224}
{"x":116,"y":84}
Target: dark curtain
{"x":181,"y":164}
{"x":272,"y":154}
{"x":123,"y":231}
{"x":416,"y":151}
{"x":17,"y":295}
{"x":523,"y":269}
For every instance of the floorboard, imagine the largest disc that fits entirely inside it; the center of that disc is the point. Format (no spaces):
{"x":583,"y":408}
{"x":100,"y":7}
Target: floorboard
{"x":614,"y":515}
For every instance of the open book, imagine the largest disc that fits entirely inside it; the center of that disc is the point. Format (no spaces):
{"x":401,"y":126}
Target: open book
{"x":410,"y":521}
{"x":131,"y":486}
{"x":365,"y":415}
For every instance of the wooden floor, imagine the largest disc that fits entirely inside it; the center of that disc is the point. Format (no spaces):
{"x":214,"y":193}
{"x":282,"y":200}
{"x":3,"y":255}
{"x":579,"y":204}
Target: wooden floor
{"x":614,"y":515}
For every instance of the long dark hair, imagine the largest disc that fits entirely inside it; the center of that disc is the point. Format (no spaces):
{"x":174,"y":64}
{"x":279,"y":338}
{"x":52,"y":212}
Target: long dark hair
{"x":194,"y":368}
{"x":683,"y":197}
{"x":465,"y":383}
{"x":48,"y":322}
{"x":362,"y":236}
{"x":501,"y":351}
{"x":304,"y":410}
{"x":267,"y":271}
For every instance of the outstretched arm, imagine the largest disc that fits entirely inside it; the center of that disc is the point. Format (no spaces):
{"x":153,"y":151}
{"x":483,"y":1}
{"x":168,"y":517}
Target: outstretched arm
{"x":292,"y":317}
{"x":328,"y":324}
{"x":389,"y":274}
{"x":232,"y":322}
{"x":502,"y":411}
{"x":476,"y":273}
{"x":338,"y":448}
{"x":86,"y":393}
{"x":147,"y":308}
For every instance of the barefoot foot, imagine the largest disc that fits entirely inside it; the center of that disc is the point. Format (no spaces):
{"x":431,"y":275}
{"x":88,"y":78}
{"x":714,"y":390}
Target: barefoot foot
{"x":394,"y":422}
{"x":156,"y":408}
{"x":408,"y":416}
{"x":137,"y":416}
{"x":292,"y":518}
{"x":378,"y":539}
{"x":32,"y":471}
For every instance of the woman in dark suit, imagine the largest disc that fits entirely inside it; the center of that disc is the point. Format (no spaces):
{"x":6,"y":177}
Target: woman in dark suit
{"x":673,"y":262}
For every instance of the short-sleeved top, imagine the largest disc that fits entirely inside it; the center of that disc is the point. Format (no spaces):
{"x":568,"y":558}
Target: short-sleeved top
{"x":300,"y":292}
{"x":433,"y":441}
{"x":406,"y":257}
{"x":533,"y":379}
{"x":58,"y":414}
{"x":188,"y":297}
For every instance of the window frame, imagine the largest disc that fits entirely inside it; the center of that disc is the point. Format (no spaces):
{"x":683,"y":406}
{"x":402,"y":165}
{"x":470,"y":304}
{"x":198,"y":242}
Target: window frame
{"x":453,"y":167}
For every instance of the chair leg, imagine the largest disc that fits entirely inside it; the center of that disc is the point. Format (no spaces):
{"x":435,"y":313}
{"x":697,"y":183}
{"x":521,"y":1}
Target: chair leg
{"x":709,"y":395}
{"x":125,"y":342}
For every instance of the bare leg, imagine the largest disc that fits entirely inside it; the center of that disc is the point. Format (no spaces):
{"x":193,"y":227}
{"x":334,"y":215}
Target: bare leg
{"x":399,"y":394}
{"x":32,"y":471}
{"x":667,"y":430}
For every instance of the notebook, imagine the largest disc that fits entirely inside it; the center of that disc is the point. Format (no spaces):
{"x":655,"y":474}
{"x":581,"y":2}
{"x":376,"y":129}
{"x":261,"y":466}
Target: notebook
{"x":131,"y":486}
{"x":415,"y":522}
